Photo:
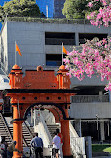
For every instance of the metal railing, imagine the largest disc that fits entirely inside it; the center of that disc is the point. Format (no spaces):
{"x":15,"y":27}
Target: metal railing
{"x":6,"y":127}
{"x":77,"y":143}
{"x":82,"y":41}
{"x":28,"y":129}
{"x":3,"y":69}
{"x":46,"y":128}
{"x":89,"y":98}
{"x":78,"y":146}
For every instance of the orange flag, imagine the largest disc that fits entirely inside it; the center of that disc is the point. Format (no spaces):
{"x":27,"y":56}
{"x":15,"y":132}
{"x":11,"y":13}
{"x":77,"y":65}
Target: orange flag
{"x":18,"y":50}
{"x":64,"y":50}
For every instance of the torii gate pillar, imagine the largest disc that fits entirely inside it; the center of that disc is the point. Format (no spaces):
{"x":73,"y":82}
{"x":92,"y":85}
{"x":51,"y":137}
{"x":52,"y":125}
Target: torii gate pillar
{"x":17,"y":132}
{"x":66,"y":136}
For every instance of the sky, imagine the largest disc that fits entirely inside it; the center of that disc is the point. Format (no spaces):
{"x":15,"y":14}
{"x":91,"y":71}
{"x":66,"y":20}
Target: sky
{"x":43,"y":4}
{"x":1,"y":3}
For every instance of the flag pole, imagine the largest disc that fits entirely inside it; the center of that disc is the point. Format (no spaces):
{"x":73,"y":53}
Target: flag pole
{"x":62,"y":53}
{"x":15,"y":53}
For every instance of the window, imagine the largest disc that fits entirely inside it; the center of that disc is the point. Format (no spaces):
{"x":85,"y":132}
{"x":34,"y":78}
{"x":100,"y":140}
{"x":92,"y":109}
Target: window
{"x":53,"y":59}
{"x":83,"y":36}
{"x":55,"y":38}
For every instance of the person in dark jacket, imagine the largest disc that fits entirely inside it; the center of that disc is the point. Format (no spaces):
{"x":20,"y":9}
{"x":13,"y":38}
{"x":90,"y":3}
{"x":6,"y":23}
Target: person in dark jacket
{"x":12,"y":148}
{"x":4,"y":146}
{"x":37,"y":144}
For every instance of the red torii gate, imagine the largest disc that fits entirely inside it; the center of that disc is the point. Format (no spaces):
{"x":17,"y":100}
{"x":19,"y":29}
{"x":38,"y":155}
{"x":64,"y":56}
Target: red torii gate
{"x":40,"y":88}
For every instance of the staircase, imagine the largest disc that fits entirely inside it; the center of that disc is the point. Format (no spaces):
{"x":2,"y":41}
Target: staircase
{"x":52,"y":128}
{"x":7,"y":131}
{"x":27,"y":132}
{"x":4,"y":130}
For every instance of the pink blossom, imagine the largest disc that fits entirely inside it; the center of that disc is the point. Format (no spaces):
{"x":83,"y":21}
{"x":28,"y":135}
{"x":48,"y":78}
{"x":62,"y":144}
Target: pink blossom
{"x":99,"y":16}
{"x":95,"y":56}
{"x":88,"y":17}
{"x":90,"y":4}
{"x":104,"y":40}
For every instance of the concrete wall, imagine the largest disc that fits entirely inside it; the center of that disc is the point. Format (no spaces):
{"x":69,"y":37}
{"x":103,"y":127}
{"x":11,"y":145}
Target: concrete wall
{"x":90,"y":110}
{"x":93,"y":81}
{"x":31,"y":41}
{"x":56,"y":49}
{"x":4,"y":46}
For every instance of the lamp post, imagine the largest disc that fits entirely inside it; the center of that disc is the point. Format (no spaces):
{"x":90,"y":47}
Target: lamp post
{"x":97,"y":125}
{"x":97,"y":121}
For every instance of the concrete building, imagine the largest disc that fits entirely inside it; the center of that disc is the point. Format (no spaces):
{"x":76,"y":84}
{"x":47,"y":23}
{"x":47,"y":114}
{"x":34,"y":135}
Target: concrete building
{"x":40,"y":42}
{"x":58,"y":6}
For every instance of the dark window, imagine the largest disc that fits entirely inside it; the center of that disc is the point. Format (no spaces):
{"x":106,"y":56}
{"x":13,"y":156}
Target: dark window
{"x":83,"y":36}
{"x":54,"y":59}
{"x":90,"y":129}
{"x":52,"y":38}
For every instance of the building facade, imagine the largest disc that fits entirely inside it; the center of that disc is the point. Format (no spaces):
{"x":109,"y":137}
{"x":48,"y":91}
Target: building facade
{"x":58,"y":6}
{"x":40,"y":43}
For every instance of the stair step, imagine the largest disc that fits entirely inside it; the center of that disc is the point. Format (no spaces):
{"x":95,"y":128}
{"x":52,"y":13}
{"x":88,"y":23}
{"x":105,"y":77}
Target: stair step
{"x":52,"y":128}
{"x":4,"y":132}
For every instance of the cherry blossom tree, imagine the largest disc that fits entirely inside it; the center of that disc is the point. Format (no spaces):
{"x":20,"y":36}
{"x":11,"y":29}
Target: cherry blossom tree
{"x":103,"y":15}
{"x":95,"y":55}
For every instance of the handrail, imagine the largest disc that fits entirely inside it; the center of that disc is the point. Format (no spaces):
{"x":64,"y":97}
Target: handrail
{"x":10,"y":134}
{"x":46,"y":128}
{"x":31,"y":135}
{"x":78,"y":146}
{"x":58,"y":41}
{"x":24,"y":141}
{"x":28,"y":129}
{"x":3,"y":69}
{"x":77,"y":143}
{"x":5,"y":123}
{"x":90,"y":98}
{"x":72,"y":130}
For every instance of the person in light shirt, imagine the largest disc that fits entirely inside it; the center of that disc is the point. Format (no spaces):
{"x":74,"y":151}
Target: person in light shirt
{"x":56,"y":144}
{"x":61,"y":144}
